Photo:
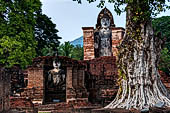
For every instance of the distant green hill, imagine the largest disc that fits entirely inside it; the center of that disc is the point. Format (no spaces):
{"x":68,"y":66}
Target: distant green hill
{"x":78,"y":41}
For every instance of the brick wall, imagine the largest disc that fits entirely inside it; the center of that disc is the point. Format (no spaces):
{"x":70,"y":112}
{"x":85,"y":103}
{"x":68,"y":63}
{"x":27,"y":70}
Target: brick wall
{"x":36,"y":86}
{"x":17,"y":80}
{"x":101,"y":79}
{"x":88,"y":43}
{"x":94,"y":78}
{"x":37,"y":90}
{"x":165,"y":79}
{"x":4,"y":89}
{"x":75,"y":87}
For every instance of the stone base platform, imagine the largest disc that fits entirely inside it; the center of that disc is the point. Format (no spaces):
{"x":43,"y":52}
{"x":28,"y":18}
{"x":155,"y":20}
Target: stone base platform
{"x":151,"y":110}
{"x":113,"y":111}
{"x":101,"y":110}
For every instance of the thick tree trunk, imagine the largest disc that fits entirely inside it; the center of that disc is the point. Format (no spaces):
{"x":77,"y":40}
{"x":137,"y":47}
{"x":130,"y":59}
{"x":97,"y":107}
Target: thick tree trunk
{"x":140,"y":85}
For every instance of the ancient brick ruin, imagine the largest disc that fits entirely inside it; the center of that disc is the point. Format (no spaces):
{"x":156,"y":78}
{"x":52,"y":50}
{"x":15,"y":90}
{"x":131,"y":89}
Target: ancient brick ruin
{"x":91,"y":80}
{"x":90,"y":83}
{"x":101,"y":79}
{"x":89,"y":36}
{"x":72,"y":90}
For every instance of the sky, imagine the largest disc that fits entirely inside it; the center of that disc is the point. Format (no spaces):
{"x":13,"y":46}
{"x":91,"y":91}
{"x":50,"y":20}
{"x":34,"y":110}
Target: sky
{"x":70,"y":17}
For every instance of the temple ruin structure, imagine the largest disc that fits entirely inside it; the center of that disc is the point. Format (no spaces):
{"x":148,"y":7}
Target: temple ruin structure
{"x":102,"y":40}
{"x":92,"y":80}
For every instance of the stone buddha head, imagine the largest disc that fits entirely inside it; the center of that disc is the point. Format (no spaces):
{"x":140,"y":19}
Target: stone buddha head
{"x":105,"y":22}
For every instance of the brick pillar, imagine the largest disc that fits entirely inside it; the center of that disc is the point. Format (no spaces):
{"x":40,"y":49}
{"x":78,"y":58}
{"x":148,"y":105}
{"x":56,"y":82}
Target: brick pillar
{"x":70,"y":91}
{"x":117,"y":36}
{"x":36,"y":82}
{"x":88,"y":43}
{"x":7,"y":93}
{"x":75,"y":77}
{"x":69,"y":80}
{"x":83,"y":94}
{"x":81,"y":76}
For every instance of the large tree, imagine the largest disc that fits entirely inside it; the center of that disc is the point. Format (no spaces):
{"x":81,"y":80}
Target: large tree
{"x":139,"y":52}
{"x":17,"y":42}
{"x":45,"y":35}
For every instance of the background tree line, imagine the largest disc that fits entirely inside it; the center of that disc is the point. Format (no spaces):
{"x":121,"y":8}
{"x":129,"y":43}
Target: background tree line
{"x":162,"y":25}
{"x":75,"y":52}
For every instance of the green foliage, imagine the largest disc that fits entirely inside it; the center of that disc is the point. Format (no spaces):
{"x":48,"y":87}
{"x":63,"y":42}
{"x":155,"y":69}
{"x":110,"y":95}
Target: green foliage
{"x":25,"y":32}
{"x":165,"y":61}
{"x":46,"y":35}
{"x":75,"y":52}
{"x":48,"y":51}
{"x":66,"y":49}
{"x":152,"y":7}
{"x":162,"y":25}
{"x":78,"y":52}
{"x":17,"y":42}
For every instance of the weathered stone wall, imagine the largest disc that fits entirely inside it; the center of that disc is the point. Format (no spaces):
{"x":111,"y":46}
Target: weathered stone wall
{"x":36,"y":83}
{"x":37,"y":89}
{"x":4,"y":89}
{"x":17,"y":80}
{"x":101,"y":79}
{"x":22,"y":105}
{"x":75,"y":87}
{"x":94,"y":80}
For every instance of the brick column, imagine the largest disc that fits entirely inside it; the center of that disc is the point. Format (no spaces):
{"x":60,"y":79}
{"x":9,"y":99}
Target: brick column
{"x":7,"y":93}
{"x":75,"y":77}
{"x":88,"y":43}
{"x":83,"y":94}
{"x":70,"y":91}
{"x":117,"y":36}
{"x":81,"y":76}
{"x":36,"y":84}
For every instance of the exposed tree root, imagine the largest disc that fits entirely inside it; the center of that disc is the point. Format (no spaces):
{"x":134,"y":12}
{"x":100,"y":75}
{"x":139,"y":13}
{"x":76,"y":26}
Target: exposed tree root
{"x":141,"y":87}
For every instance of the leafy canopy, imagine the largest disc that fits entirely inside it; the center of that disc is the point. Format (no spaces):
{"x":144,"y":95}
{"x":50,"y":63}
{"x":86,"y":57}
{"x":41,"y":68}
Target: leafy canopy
{"x":17,"y":42}
{"x":25,"y":32}
{"x":46,"y":35}
{"x":154,"y":7}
